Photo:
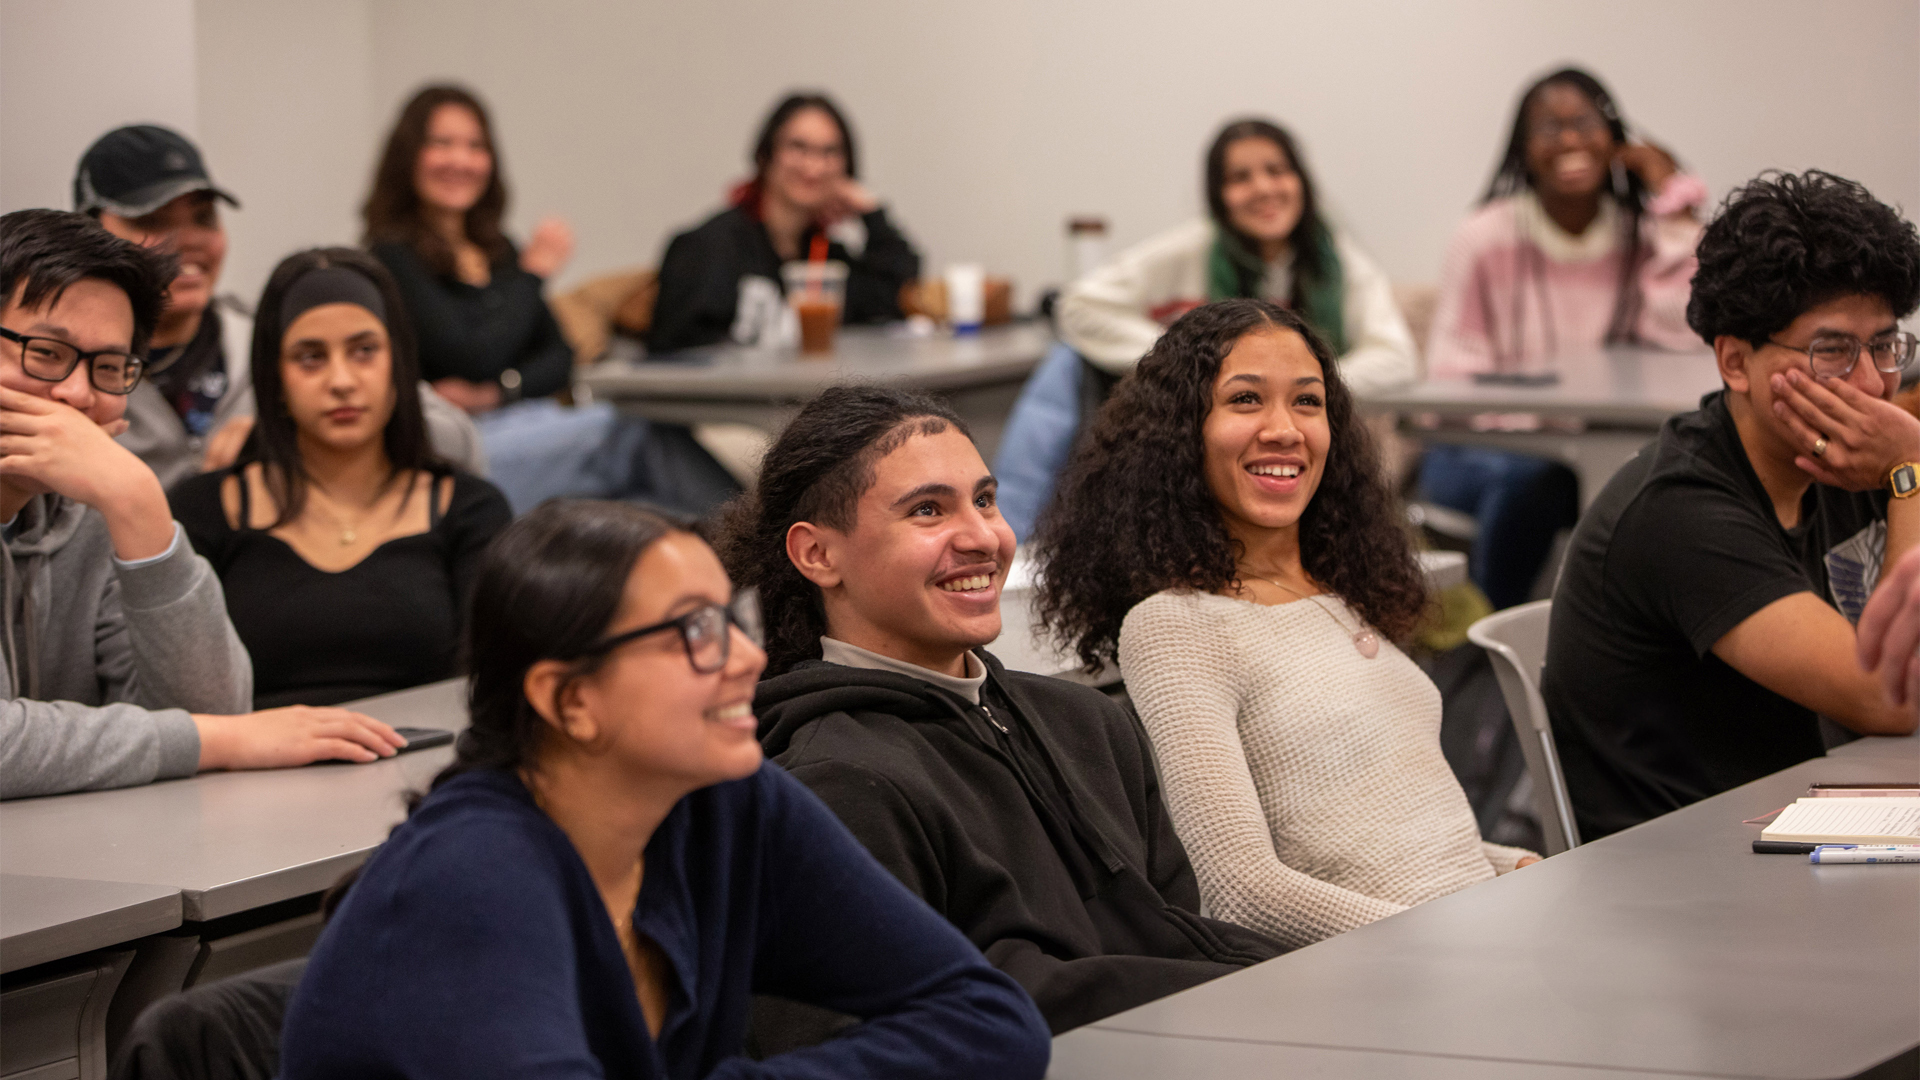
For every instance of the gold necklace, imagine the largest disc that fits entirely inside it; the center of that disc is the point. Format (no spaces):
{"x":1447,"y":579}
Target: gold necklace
{"x":349,"y":531}
{"x":1365,"y":641}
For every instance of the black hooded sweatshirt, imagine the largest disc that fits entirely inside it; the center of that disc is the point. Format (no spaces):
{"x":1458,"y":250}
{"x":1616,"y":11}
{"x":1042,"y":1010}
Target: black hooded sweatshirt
{"x":1033,"y":822}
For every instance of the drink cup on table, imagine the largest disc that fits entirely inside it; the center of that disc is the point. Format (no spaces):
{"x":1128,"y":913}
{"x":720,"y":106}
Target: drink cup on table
{"x":966,"y":297}
{"x":817,"y":291}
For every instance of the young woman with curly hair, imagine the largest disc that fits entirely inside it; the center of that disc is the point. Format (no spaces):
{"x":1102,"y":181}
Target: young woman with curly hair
{"x":1224,"y":534}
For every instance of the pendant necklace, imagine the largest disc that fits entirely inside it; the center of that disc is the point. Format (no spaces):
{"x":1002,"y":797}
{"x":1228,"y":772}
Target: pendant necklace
{"x":1365,"y":641}
{"x":349,"y":531}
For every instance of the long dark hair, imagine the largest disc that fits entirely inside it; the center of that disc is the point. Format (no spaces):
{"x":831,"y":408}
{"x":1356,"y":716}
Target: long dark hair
{"x":392,"y":210}
{"x":1134,"y":515}
{"x":548,"y":587}
{"x":817,"y":470}
{"x":1625,"y":187}
{"x":275,"y":441}
{"x":747,"y":194}
{"x":1310,"y":241}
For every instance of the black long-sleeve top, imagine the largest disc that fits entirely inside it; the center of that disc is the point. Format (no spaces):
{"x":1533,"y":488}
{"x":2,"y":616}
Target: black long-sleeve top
{"x":390,"y":621}
{"x":701,"y":271}
{"x":475,"y":332}
{"x":1033,"y":821}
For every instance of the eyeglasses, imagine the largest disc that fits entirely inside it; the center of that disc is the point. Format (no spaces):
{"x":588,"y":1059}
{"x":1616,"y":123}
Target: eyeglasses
{"x":1550,"y":128}
{"x":1832,"y":356}
{"x":52,"y":360}
{"x":704,"y":632}
{"x":802,"y":148}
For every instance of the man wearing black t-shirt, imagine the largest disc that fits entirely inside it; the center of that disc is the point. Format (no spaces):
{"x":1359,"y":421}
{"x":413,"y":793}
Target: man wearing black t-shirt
{"x":1706,"y":613}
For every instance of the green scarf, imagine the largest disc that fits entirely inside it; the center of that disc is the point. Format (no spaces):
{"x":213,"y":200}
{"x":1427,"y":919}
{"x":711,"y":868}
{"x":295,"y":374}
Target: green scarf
{"x":1230,"y":264}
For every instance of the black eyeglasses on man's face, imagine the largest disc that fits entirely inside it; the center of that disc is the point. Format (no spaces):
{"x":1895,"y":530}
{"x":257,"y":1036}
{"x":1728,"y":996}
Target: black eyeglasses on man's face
{"x":1832,"y":356}
{"x":704,"y":632}
{"x":52,"y":360}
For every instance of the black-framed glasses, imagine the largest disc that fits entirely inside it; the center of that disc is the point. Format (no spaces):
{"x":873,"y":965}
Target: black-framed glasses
{"x":1832,"y":356}
{"x":704,"y":632}
{"x":52,"y":360}
{"x":1549,"y":128}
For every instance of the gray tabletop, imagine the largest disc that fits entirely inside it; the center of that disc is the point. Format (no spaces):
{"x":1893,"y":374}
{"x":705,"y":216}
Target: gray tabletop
{"x":1900,"y":748}
{"x":1620,"y":387}
{"x":1097,"y":1054}
{"x":228,"y":842}
{"x":862,"y":353}
{"x":46,"y":918}
{"x":1670,"y":947}
{"x":979,"y":376}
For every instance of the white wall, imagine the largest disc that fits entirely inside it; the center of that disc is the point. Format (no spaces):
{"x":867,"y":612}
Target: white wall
{"x":72,"y":70}
{"x":286,"y":123}
{"x":984,"y":126}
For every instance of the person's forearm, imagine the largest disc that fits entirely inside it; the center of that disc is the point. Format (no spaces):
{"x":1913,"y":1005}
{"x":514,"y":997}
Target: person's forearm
{"x":50,"y":747}
{"x":138,"y":519}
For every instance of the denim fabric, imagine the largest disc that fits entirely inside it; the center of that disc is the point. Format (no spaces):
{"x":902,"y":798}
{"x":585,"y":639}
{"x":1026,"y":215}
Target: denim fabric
{"x":539,"y":450}
{"x":1038,"y":437}
{"x":1520,"y":501}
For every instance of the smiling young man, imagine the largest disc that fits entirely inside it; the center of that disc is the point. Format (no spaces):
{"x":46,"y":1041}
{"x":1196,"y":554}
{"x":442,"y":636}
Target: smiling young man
{"x":148,"y":184}
{"x":119,"y":663}
{"x":1023,"y":808}
{"x":1706,"y":613}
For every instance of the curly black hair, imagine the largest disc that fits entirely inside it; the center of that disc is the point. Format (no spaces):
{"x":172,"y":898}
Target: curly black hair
{"x":1787,"y":242}
{"x":816,"y":471}
{"x":1134,"y":515}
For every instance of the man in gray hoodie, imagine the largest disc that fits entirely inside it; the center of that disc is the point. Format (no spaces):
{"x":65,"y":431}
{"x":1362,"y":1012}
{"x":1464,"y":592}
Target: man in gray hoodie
{"x":118,"y":660}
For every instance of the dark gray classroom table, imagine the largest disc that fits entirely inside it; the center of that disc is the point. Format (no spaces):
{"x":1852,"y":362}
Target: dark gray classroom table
{"x":1668,"y":949}
{"x":230,"y":842}
{"x":47,"y":918}
{"x":979,"y":375}
{"x":1617,"y":398}
{"x":1903,"y":747}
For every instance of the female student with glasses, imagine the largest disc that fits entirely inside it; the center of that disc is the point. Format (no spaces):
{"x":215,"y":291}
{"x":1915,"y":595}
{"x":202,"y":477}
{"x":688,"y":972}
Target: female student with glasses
{"x":608,"y":872}
{"x":1584,"y":238}
{"x":721,"y":281}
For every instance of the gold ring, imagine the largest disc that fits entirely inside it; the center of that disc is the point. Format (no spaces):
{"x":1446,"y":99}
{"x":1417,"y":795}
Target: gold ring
{"x":1820,"y":446}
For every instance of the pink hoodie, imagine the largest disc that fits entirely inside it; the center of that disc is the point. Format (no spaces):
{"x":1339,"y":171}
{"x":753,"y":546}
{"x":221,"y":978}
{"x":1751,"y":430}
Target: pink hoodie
{"x":1510,"y":268}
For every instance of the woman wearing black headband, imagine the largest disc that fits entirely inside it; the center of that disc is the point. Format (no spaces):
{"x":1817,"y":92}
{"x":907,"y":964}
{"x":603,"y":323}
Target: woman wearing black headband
{"x":346,"y":548}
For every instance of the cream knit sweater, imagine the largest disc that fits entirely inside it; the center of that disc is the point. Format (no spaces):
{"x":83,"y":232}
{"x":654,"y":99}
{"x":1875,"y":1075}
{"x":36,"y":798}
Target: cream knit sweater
{"x":1305,"y":780}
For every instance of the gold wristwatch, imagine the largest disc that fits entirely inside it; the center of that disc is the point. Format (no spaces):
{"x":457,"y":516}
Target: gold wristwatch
{"x":1904,"y":479}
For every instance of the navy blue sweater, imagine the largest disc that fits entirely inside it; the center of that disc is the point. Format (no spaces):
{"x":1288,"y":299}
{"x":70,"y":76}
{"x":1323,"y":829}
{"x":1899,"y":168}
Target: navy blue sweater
{"x":475,"y":945}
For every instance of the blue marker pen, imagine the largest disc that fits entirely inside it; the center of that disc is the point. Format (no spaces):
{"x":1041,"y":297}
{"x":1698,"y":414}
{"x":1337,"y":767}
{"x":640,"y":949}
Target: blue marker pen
{"x":1866,"y":853}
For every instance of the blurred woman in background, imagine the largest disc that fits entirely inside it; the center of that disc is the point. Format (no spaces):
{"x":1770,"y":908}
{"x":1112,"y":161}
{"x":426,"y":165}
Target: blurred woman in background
{"x":488,"y":342}
{"x":721,"y":281}
{"x":1264,"y":238}
{"x":1583,"y":239}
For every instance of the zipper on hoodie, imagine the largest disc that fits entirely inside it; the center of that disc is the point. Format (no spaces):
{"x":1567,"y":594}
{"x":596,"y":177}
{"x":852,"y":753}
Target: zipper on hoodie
{"x":994,"y":720}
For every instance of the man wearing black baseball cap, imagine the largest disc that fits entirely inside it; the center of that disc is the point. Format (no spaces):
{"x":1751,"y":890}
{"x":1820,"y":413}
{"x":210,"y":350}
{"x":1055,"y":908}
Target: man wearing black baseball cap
{"x":194,"y":409}
{"x":147,"y":184}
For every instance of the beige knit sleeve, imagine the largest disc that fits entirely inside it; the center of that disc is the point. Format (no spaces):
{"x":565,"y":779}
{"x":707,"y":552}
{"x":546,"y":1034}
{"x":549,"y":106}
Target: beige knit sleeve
{"x":1184,"y":674}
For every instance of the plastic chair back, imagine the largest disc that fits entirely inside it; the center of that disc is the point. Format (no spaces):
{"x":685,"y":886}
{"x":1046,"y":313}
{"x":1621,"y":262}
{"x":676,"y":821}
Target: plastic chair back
{"x":1516,"y":642}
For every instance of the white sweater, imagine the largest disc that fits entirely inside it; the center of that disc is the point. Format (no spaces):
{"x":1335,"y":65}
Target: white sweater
{"x":1305,"y":780}
{"x":1115,"y":314}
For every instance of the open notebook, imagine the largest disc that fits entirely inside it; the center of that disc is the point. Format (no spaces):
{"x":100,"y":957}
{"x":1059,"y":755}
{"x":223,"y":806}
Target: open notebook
{"x":1848,"y":821}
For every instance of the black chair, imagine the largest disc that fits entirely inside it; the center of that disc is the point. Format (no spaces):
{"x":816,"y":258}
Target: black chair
{"x":225,"y":1030}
